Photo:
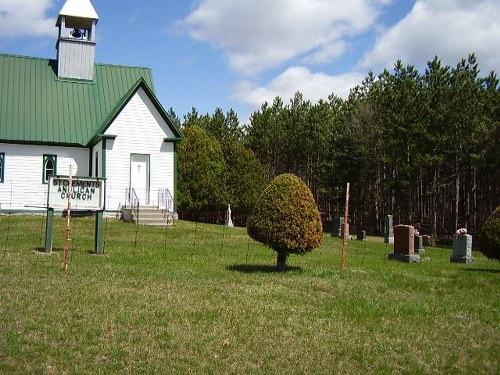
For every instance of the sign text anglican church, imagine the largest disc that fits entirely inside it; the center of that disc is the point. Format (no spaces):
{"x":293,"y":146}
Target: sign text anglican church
{"x":87,"y":193}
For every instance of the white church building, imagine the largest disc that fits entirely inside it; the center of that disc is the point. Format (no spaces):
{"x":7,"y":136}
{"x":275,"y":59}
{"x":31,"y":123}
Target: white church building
{"x":96,"y":120}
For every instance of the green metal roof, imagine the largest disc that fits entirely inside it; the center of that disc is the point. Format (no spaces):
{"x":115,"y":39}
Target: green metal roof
{"x":38,"y":107}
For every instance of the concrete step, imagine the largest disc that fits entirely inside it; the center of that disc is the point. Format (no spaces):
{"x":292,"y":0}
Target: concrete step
{"x":150,"y":216}
{"x":154,"y":216}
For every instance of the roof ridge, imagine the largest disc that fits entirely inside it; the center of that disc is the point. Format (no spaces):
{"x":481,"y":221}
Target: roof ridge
{"x":123,"y":65}
{"x":55,"y":59}
{"x":26,"y":57}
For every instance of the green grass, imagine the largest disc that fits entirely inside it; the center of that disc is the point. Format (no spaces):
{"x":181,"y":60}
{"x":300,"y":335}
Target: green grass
{"x":205,"y":299}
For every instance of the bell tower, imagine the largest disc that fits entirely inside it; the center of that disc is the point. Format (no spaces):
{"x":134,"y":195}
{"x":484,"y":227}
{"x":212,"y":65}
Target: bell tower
{"x":76,"y":40}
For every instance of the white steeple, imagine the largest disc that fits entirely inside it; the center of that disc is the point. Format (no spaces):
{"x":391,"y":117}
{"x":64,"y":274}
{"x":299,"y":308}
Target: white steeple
{"x":78,"y":9}
{"x":76,"y":42}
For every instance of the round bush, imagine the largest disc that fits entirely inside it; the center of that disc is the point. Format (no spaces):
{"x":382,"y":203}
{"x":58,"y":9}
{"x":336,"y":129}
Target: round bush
{"x":489,"y":238}
{"x":286,"y":218}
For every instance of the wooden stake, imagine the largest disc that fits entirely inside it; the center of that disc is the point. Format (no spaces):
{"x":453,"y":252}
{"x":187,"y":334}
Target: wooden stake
{"x":346,"y":230}
{"x":68,"y":221}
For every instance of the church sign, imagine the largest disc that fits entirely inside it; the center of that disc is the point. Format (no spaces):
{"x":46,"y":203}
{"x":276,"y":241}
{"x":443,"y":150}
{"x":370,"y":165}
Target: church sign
{"x":86,"y":193}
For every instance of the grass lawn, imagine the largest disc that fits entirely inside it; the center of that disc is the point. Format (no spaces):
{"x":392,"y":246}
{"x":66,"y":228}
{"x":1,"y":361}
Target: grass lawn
{"x":205,"y":299}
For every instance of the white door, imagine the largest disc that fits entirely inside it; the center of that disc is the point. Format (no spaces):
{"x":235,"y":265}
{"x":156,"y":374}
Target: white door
{"x":139,"y":177}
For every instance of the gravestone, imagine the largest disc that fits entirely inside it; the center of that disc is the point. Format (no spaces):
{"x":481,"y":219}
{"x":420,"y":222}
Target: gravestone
{"x":229,"y":221}
{"x":426,"y":240}
{"x":389,"y":230}
{"x":404,"y":242}
{"x":462,"y":248}
{"x":362,"y":235}
{"x":419,"y":244}
{"x":338,"y":225}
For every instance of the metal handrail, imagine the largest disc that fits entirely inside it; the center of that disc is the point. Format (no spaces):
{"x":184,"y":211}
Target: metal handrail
{"x":132,"y":202}
{"x":165,"y":200}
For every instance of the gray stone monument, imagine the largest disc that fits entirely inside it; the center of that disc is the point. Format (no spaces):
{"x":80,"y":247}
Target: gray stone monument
{"x":338,"y":226}
{"x":462,"y":247}
{"x":419,"y":244}
{"x":404,"y":242}
{"x":361,"y":235}
{"x":389,"y":230}
{"x":229,"y":221}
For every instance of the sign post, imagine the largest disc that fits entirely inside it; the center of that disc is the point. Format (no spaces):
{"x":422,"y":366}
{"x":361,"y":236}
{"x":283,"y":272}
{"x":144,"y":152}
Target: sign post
{"x":48,"y":230}
{"x":98,"y":239}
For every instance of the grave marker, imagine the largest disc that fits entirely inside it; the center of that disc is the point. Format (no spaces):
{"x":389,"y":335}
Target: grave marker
{"x":361,"y":235}
{"x":229,"y":220}
{"x":426,"y":240}
{"x":462,"y":247}
{"x":404,"y":243}
{"x":419,"y":244}
{"x":389,"y":231}
{"x":338,"y":226}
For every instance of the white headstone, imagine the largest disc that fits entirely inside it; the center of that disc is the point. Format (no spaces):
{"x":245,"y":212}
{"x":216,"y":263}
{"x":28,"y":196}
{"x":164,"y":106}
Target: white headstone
{"x":462,"y":247}
{"x":389,"y":230}
{"x":229,"y":221}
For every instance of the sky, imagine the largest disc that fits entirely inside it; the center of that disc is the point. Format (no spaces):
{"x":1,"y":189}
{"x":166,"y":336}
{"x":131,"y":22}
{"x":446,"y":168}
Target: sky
{"x":238,"y":54}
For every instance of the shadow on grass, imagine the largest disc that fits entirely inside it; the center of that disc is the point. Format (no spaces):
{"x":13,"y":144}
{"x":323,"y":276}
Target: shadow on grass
{"x":254,"y":268}
{"x":61,"y":250}
{"x":488,"y":270}
{"x":54,"y":249}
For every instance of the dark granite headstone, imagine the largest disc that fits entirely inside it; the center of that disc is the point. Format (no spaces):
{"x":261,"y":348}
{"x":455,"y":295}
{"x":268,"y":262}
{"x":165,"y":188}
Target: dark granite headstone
{"x":338,"y":225}
{"x":361,"y":235}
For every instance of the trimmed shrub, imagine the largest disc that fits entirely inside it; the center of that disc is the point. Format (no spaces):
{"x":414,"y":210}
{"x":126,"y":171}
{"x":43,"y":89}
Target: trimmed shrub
{"x":286,"y":218}
{"x":489,"y":238}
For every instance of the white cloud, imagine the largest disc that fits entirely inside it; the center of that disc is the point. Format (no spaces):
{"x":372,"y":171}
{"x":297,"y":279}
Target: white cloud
{"x":256,"y":35}
{"x":313,"y":86}
{"x":450,"y":29}
{"x":20,"y":18}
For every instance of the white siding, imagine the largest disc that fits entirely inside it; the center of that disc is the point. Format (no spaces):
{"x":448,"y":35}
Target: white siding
{"x":139,"y":129}
{"x":76,"y":59}
{"x":22,"y":187}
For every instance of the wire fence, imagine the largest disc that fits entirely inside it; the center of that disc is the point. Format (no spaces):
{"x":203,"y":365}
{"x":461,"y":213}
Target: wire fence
{"x":22,"y":239}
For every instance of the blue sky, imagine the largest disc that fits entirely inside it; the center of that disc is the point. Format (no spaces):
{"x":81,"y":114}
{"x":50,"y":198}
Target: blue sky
{"x":239,"y":53}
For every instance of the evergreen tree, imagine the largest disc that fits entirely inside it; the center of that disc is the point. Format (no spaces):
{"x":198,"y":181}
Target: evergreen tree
{"x":202,"y":171}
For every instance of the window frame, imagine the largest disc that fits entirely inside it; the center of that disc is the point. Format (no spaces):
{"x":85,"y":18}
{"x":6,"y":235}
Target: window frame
{"x":46,"y":158}
{"x":2,"y":167}
{"x":96,"y":166}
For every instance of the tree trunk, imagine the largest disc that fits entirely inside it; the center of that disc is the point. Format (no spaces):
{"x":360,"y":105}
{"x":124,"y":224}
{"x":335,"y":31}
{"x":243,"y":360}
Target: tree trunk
{"x":409,"y":206}
{"x":474,"y":200}
{"x":434,"y":206}
{"x":281,"y":261}
{"x":457,"y":197}
{"x":377,"y":208}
